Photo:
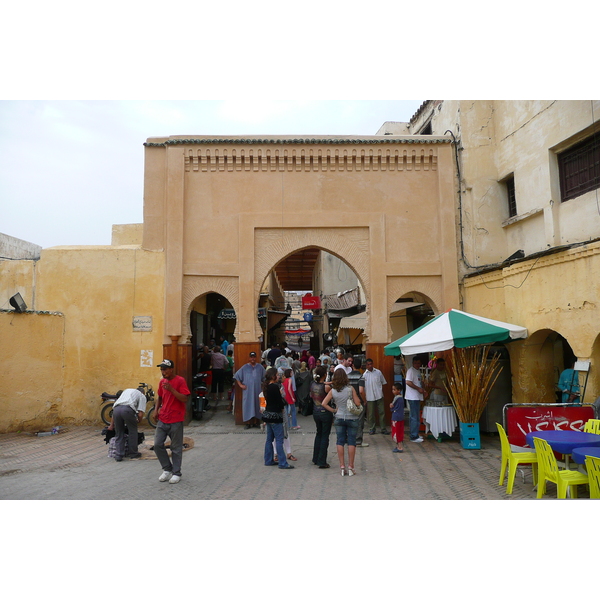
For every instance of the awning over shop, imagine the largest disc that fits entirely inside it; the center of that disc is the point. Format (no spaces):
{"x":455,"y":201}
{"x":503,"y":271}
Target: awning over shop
{"x":343,"y":300}
{"x":358,"y":321}
{"x":398,"y":307}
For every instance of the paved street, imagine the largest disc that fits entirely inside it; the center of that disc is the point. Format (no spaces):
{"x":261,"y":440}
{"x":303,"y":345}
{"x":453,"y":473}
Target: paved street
{"x":226,"y":463}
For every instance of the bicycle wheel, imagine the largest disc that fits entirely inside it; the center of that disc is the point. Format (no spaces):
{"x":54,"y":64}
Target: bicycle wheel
{"x":151,"y":419}
{"x":107,"y":412}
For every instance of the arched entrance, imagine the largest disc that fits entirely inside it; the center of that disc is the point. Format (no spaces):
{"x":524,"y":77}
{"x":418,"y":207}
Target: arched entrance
{"x":226,"y":211}
{"x":540,"y":359}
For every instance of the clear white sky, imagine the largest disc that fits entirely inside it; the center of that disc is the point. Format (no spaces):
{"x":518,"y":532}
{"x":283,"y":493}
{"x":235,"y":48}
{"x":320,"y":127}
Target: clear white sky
{"x":69,"y":170}
{"x":82,"y":87}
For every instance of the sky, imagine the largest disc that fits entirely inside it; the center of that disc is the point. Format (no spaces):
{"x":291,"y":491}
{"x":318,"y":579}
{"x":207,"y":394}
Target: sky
{"x":83,"y":86}
{"x":70,"y":169}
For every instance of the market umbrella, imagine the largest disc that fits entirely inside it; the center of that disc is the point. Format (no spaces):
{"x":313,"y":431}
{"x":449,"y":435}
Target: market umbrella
{"x":454,"y":329}
{"x":471,"y":375}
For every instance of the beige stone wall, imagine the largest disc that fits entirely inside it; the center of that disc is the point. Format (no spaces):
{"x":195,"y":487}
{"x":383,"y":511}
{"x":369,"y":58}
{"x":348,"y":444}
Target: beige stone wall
{"x":555,"y":295}
{"x":227,"y":211}
{"x":540,"y":294}
{"x":63,"y":362}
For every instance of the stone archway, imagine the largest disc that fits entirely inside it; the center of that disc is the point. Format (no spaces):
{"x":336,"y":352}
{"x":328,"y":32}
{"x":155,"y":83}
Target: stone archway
{"x":196,"y":286}
{"x":274,"y":245}
{"x":226,"y":210}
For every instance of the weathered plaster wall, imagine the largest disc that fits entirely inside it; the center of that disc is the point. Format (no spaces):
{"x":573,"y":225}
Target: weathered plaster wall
{"x":539,"y":294}
{"x":33,"y":367}
{"x":62,"y":363}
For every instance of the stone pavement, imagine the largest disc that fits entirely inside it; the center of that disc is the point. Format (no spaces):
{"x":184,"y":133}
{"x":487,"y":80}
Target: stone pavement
{"x":226,"y":463}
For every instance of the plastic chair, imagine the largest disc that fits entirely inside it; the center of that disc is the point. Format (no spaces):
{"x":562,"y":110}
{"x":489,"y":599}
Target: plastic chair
{"x":592,"y":464}
{"x":592,"y":426}
{"x":549,"y":471}
{"x":513,"y":459}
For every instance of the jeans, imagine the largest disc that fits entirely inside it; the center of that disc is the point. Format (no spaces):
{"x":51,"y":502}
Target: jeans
{"x":125,"y":416}
{"x":324,"y":421}
{"x":275,"y":432}
{"x":361,"y":425}
{"x":415,"y":418}
{"x":290,"y":409}
{"x":346,"y":431}
{"x":175,"y":432}
{"x":371,"y":414}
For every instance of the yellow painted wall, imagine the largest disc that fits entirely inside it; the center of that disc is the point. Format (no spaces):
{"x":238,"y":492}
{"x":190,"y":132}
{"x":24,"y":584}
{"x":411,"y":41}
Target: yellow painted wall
{"x":541,"y":294}
{"x":32,"y":370}
{"x":63,"y":363}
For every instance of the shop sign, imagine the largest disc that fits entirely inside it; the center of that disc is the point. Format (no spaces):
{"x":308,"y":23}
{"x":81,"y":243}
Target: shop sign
{"x":521,"y":419}
{"x":311,"y":302}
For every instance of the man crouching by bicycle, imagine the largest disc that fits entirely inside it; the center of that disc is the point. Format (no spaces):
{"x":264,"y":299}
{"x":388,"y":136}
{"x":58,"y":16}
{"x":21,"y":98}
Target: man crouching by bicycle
{"x":173,"y":394}
{"x":128,"y":411}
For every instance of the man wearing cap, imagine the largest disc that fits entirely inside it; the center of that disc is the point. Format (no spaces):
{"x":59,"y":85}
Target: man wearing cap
{"x":250,"y":378}
{"x":173,"y":394}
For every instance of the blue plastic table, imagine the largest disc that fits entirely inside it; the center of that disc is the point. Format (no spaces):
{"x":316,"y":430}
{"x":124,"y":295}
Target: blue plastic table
{"x":579,"y":454}
{"x":564,"y":441}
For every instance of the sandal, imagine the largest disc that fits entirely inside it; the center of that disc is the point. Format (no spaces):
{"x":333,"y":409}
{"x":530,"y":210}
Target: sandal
{"x":351,"y":471}
{"x":291,"y":457}
{"x":343,"y":470}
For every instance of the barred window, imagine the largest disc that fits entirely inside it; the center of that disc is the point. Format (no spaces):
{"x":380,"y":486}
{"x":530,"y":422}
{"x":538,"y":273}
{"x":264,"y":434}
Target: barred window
{"x":512,"y":199}
{"x":579,"y":168}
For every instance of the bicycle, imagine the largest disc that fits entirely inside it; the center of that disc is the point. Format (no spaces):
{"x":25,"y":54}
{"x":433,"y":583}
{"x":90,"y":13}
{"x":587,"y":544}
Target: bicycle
{"x":108,"y":401}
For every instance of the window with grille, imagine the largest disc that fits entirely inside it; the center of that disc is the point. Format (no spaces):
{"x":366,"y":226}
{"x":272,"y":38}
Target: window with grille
{"x":512,"y":199}
{"x":579,"y":168}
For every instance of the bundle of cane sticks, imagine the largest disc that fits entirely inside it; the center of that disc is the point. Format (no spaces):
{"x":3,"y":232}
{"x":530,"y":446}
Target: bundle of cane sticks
{"x":470,"y":378}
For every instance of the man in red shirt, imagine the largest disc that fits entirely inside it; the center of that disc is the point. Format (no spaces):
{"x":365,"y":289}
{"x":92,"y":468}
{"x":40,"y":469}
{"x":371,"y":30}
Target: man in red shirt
{"x":173,"y":394}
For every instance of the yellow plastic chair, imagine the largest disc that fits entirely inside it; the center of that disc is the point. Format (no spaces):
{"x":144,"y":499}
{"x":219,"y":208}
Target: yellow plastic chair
{"x":549,"y":471}
{"x":513,"y":459}
{"x":592,"y":426}
{"x":592,"y":464}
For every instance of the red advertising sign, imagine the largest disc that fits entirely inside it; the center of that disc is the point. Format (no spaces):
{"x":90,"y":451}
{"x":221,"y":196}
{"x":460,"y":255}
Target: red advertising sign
{"x":311,"y":302}
{"x":521,"y":419}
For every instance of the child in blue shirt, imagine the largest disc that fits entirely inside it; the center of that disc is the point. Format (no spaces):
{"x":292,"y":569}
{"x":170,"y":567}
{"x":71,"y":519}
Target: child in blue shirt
{"x":397,"y":407}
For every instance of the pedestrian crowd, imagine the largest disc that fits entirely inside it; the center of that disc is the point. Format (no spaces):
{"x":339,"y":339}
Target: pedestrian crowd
{"x":334,"y":387}
{"x":341,"y":393}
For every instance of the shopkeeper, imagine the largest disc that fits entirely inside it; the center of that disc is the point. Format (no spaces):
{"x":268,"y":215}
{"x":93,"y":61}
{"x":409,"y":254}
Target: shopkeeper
{"x":437,"y":383}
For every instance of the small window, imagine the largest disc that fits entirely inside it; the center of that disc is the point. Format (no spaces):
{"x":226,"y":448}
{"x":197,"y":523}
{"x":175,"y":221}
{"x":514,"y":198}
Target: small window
{"x":510,"y":194}
{"x":579,"y":168}
{"x":427,"y":130}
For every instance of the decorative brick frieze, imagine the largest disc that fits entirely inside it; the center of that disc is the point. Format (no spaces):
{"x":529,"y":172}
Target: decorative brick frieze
{"x":311,"y":159}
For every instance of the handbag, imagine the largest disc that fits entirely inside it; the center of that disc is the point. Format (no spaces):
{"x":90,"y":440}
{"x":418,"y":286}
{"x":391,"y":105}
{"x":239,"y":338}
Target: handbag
{"x":352,"y":407}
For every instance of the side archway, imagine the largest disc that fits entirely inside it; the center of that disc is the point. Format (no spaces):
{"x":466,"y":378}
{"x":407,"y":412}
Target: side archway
{"x":196,"y":286}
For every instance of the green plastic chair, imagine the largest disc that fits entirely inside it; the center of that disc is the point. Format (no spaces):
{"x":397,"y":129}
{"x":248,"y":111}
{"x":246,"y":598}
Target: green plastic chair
{"x":513,"y":460}
{"x":549,"y":471}
{"x":592,"y":464}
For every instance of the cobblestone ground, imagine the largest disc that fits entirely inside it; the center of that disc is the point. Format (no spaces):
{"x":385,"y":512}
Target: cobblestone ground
{"x":226,"y":463}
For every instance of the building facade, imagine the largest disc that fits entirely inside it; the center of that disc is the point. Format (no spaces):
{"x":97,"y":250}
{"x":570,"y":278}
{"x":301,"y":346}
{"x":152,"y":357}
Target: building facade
{"x":528,"y":225}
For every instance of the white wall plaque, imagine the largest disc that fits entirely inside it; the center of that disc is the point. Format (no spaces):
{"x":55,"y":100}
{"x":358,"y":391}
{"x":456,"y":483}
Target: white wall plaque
{"x":146,"y":358}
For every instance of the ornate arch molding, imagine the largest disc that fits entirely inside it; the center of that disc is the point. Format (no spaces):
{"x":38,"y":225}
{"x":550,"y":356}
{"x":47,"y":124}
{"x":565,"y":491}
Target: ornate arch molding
{"x":430,"y":287}
{"x":350,"y":244}
{"x":195,"y":286}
